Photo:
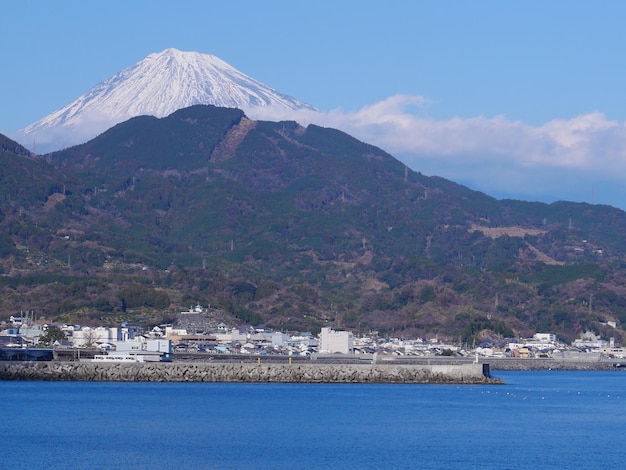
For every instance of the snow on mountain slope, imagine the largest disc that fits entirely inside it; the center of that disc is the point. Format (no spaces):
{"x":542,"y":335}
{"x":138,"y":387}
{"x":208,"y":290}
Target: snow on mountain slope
{"x":157,"y":85}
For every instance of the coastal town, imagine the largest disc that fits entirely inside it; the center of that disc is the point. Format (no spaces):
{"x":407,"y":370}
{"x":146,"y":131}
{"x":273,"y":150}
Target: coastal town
{"x":196,"y":334}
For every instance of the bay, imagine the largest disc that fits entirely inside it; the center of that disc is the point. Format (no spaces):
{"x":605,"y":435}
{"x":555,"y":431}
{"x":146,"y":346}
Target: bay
{"x":547,"y":419}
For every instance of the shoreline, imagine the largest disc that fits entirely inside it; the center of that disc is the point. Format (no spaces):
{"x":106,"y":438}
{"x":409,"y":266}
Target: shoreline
{"x":434,"y":370}
{"x":247,"y":372}
{"x":554,"y":364}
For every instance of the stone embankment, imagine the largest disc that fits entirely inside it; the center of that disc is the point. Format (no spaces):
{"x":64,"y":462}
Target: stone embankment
{"x":554,"y":364}
{"x":245,"y":372}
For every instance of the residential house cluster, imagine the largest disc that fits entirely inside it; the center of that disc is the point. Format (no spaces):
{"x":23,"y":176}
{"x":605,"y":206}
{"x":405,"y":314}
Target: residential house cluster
{"x":197,"y":332}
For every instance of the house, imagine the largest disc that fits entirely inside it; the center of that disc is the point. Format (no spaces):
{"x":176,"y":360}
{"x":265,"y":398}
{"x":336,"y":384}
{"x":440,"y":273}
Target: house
{"x":523,"y":353}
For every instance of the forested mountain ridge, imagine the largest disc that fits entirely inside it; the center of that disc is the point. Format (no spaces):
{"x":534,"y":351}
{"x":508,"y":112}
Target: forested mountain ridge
{"x":297,"y":228}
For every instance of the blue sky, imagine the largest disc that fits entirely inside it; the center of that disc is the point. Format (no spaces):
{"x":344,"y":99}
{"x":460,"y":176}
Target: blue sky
{"x":519,"y":99}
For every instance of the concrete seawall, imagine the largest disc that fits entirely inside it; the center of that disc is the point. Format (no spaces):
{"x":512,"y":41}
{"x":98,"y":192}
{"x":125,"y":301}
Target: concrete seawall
{"x":246,"y":372}
{"x":554,"y":364}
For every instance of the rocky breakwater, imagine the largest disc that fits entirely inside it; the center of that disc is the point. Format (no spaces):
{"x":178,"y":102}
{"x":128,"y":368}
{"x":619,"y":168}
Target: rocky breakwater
{"x":245,"y":372}
{"x":515,"y":364}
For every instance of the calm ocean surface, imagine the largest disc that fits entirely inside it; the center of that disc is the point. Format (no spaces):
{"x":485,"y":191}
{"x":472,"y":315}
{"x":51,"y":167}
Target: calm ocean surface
{"x":547,"y":420}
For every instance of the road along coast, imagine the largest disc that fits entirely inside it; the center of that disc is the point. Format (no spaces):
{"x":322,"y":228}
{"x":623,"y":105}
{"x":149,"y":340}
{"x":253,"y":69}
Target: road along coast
{"x":247,"y":372}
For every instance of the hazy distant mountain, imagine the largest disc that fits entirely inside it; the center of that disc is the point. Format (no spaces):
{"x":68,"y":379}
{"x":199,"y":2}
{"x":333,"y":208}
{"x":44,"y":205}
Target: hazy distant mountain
{"x":157,"y":85}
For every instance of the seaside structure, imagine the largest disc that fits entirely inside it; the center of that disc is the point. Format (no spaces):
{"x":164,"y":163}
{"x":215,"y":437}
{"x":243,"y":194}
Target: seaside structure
{"x":332,"y":342}
{"x":589,"y":340}
{"x":154,"y":350}
{"x":201,"y":330}
{"x":101,"y":336}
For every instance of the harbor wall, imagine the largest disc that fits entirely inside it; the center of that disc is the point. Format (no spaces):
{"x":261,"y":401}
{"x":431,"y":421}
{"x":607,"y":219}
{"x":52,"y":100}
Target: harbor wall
{"x":246,"y":372}
{"x":510,"y":364}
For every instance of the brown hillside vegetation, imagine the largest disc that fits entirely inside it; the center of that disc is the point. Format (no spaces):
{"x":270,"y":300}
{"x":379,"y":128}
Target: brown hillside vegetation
{"x":294,"y":228}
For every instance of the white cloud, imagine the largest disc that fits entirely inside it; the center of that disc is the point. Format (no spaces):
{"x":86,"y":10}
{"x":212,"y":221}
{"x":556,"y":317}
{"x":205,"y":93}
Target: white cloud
{"x":41,"y":138}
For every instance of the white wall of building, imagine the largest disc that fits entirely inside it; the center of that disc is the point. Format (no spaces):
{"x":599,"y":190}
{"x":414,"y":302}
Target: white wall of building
{"x":87,"y":336}
{"x":332,"y":341}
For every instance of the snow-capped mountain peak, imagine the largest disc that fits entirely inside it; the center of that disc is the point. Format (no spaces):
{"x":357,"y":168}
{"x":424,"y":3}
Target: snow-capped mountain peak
{"x":158,"y":85}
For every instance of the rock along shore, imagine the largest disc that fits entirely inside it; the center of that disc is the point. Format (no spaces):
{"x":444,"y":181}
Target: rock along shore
{"x":245,"y":372}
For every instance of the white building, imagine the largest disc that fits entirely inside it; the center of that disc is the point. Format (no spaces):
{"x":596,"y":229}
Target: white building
{"x":332,"y":341}
{"x":278,"y":338}
{"x":88,"y":337}
{"x":544,"y":338}
{"x":153,"y":350}
{"x":589,"y":340}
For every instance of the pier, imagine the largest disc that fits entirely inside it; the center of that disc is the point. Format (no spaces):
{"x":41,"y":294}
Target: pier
{"x":248,"y":372}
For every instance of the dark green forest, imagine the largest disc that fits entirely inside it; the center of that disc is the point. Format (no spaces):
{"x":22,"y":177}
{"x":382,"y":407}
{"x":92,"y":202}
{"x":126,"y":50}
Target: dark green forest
{"x":295,"y":228}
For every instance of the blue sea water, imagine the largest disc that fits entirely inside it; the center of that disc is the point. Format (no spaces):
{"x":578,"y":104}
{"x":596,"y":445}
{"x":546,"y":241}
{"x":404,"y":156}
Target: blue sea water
{"x":538,"y":420}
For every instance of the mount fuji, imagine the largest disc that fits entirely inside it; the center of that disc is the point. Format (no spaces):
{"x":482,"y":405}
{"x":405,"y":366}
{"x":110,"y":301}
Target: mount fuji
{"x":157,"y":85}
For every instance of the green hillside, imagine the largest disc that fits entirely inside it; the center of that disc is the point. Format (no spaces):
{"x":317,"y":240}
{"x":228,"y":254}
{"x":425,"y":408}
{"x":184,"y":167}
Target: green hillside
{"x":296,"y":228}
